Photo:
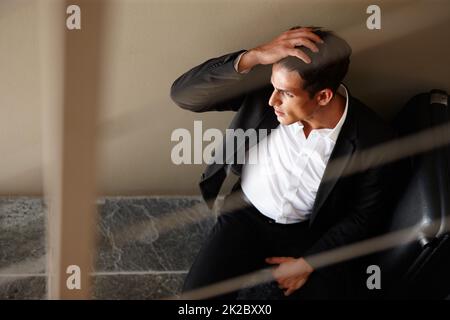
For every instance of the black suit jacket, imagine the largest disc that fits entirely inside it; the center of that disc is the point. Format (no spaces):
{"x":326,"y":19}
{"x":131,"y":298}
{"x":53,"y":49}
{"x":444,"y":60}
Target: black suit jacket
{"x":349,"y":205}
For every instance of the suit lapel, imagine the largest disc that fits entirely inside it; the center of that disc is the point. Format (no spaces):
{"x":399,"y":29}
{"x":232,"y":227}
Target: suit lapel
{"x":336,"y":165}
{"x":340,"y":156}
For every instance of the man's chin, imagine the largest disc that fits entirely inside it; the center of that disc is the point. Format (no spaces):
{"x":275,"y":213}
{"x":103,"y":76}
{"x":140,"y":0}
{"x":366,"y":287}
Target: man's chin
{"x":284,"y":121}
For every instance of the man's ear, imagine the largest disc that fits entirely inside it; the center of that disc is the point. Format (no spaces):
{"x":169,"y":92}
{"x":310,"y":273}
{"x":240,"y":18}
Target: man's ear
{"x":324,"y":96}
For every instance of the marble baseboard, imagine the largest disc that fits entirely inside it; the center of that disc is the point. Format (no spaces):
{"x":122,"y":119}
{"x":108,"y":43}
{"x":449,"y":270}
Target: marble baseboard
{"x":138,"y":287}
{"x":105,"y":287}
{"x":23,"y":288}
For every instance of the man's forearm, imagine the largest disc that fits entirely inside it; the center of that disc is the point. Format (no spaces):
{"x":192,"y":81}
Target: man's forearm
{"x":211,"y":86}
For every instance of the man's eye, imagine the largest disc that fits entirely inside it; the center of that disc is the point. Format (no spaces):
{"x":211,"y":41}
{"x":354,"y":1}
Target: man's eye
{"x":289,"y":95}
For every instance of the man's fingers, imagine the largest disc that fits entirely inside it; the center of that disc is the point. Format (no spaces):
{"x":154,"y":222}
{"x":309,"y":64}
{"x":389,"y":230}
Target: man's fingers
{"x":278,"y":275}
{"x":304,"y":34}
{"x":277,"y":260}
{"x":299,"y":54}
{"x":301,"y":283}
{"x":304,"y":42}
{"x":296,"y":30}
{"x":289,"y":291}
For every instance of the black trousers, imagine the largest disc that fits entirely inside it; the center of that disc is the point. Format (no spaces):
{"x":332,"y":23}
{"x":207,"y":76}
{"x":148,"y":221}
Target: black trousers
{"x":239,"y":243}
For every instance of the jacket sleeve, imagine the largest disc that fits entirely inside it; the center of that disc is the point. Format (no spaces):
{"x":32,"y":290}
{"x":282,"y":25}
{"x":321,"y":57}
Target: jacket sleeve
{"x":215,"y":85}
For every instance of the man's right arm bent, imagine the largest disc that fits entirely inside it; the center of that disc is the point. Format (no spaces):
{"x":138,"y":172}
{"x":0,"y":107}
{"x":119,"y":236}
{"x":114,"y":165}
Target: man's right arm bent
{"x":216,"y":85}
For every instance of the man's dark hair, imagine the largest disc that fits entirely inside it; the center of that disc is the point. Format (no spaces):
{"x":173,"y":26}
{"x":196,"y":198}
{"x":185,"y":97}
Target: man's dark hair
{"x":328,"y":66}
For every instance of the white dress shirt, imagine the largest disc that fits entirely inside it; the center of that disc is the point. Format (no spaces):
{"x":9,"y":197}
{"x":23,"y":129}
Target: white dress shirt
{"x":283,"y":183}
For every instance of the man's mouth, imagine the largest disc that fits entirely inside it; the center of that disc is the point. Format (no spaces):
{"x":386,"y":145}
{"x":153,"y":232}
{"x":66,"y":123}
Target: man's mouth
{"x":278,"y":112}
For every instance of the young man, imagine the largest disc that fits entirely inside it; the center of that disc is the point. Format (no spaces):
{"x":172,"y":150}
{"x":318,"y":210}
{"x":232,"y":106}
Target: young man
{"x":306,"y":194}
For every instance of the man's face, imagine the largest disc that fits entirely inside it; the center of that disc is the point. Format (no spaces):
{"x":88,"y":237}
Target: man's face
{"x":290,"y":101}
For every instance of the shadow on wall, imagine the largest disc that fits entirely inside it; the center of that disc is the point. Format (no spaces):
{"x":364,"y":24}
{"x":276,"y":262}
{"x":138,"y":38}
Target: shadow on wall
{"x":387,"y":75}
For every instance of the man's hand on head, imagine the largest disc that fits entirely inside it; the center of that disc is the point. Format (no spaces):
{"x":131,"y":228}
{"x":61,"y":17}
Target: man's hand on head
{"x":286,"y":44}
{"x":291,"y":273}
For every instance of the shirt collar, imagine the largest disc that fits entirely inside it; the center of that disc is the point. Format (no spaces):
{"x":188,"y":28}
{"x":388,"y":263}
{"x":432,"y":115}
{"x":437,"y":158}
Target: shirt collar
{"x":335,"y":131}
{"x":332,"y":133}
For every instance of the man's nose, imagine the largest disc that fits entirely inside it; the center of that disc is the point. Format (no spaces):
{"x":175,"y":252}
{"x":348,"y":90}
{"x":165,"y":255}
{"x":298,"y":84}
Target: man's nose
{"x":274,"y":100}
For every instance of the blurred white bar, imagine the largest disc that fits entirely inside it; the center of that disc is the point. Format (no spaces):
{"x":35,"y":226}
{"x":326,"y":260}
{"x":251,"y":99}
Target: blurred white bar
{"x":70,"y":65}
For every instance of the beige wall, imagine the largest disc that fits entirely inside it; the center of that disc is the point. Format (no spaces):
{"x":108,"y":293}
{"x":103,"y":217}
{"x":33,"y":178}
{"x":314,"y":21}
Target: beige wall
{"x":150,"y":43}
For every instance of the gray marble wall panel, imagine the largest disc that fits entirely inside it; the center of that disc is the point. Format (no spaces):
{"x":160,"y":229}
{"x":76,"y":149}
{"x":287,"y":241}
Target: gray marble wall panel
{"x":158,"y":234}
{"x":145,"y":246}
{"x":22,"y":231}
